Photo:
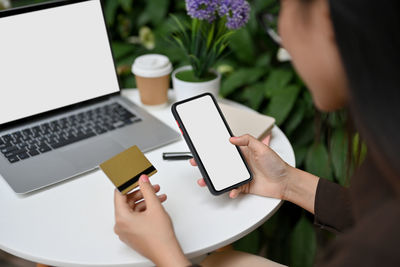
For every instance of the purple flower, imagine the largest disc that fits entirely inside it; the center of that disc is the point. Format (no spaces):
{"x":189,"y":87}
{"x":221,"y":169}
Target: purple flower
{"x":237,"y":12}
{"x":202,"y":9}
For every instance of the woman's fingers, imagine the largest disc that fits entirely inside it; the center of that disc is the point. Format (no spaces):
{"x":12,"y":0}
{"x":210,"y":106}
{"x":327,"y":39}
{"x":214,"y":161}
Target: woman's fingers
{"x":267,"y":140}
{"x":192,"y":162}
{"x":234,"y":193}
{"x":137,"y":195}
{"x":141,"y":206}
{"x":201,"y":182}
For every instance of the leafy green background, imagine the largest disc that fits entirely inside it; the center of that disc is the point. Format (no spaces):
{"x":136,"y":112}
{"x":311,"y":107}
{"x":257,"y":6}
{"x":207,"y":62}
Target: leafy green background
{"x":257,"y":79}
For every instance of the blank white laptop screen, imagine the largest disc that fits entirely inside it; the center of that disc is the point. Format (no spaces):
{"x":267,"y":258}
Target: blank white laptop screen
{"x":52,"y":58}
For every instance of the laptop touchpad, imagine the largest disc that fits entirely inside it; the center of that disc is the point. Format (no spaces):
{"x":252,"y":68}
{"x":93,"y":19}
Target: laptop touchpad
{"x":89,"y":154}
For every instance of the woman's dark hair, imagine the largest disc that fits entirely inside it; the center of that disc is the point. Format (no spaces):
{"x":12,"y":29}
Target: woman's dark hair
{"x":368,"y":36}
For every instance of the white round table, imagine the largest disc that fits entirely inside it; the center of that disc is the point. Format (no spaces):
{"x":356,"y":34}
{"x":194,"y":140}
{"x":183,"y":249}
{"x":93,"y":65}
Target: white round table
{"x":71,"y":223}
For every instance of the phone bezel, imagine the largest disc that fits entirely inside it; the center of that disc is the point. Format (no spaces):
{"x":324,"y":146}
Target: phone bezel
{"x":189,"y":142}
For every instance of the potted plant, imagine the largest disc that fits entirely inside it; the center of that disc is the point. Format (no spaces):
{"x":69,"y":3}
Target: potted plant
{"x":204,"y":42}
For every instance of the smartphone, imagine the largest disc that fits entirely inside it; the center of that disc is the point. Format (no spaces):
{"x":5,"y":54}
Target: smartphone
{"x":207,"y":134}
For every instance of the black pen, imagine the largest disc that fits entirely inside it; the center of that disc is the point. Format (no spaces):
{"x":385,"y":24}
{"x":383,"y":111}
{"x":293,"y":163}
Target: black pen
{"x":177,"y":155}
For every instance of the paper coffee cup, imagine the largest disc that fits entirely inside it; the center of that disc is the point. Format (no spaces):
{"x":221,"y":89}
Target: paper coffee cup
{"x":152,"y":73}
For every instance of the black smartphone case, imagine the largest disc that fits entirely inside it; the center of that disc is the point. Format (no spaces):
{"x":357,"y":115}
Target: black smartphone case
{"x":203,"y":171}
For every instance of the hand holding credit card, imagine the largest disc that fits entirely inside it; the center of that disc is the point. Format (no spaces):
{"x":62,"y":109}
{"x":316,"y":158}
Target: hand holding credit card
{"x":125,"y":168}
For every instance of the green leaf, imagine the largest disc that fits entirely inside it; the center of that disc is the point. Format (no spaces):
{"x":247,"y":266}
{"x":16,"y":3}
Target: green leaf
{"x":296,"y":116}
{"x":242,"y":46}
{"x":125,"y":4}
{"x":169,"y":25}
{"x":277,"y":79}
{"x":239,"y":78}
{"x":260,"y":5}
{"x":253,"y":24}
{"x":359,"y":149}
{"x":181,"y":28}
{"x":121,"y":50}
{"x":282,"y":103}
{"x":304,"y":134}
{"x":110,"y":11}
{"x":155,"y":12}
{"x":336,"y":119}
{"x":253,"y":95}
{"x":303,"y":244}
{"x":249,"y":243}
{"x":127,"y":61}
{"x":179,"y":42}
{"x":317,"y":161}
{"x":264,"y":60}
{"x":128,"y":82}
{"x":300,"y":153}
{"x":338,"y":149}
{"x":234,"y":80}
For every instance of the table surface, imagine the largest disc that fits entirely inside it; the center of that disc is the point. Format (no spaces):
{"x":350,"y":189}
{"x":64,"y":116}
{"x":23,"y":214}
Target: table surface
{"x":71,"y":223}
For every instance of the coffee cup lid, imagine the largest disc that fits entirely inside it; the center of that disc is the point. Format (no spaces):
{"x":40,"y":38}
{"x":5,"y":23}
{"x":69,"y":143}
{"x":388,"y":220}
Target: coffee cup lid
{"x":152,"y":65}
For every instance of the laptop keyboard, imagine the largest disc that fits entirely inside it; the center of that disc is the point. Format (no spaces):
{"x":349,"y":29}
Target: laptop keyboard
{"x":51,"y":135}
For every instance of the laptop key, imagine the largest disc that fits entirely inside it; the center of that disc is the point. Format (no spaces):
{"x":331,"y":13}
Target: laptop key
{"x":32,"y":147}
{"x":44,"y":148}
{"x":27,"y":132}
{"x":7,"y":138}
{"x":23,"y":156}
{"x":17,"y":135}
{"x":13,"y":159}
{"x":26,"y":138}
{"x":15,"y":142}
{"x":9,"y":149}
{"x":118,"y":124}
{"x":33,"y":141}
{"x":4,"y":145}
{"x":22,"y":145}
{"x":108,"y":127}
{"x":15,"y":152}
{"x":99,"y":130}
{"x":36,"y":131}
{"x":33,"y":152}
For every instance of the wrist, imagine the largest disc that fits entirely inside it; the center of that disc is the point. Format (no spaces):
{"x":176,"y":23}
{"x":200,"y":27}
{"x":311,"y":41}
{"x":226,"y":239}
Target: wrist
{"x":300,"y":188}
{"x":289,"y":182}
{"x":171,"y":256}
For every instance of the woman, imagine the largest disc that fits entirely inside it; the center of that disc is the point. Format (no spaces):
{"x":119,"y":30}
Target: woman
{"x":347,"y":54}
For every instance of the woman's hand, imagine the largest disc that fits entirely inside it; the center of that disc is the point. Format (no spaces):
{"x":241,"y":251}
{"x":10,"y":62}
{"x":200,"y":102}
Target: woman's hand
{"x":272,"y":177}
{"x":143,"y":224}
{"x":270,"y":172}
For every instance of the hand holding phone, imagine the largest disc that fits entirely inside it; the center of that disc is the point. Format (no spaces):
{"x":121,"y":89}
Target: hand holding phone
{"x":207,"y":134}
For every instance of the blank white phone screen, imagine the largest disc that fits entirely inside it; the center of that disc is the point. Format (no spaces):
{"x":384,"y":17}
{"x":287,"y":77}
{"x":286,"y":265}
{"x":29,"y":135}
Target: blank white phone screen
{"x":210,"y":138}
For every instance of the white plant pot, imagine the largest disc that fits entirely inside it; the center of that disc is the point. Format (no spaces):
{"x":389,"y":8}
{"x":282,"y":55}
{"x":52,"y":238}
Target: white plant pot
{"x":185,"y":89}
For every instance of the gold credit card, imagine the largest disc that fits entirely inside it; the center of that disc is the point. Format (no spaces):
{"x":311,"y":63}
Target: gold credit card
{"x":125,"y":168}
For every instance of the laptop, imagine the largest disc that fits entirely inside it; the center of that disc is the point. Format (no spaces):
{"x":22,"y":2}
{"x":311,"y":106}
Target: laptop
{"x":61,"y":111}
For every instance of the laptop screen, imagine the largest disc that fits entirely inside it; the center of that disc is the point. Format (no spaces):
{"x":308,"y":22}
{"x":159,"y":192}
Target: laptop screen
{"x":53,"y":58}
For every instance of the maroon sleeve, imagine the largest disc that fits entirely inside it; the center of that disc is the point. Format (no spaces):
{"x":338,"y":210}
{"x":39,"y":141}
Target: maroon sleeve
{"x":374,"y":241}
{"x":333,"y":210}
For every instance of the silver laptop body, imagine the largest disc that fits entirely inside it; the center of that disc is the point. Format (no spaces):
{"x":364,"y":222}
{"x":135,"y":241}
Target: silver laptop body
{"x":67,"y":93}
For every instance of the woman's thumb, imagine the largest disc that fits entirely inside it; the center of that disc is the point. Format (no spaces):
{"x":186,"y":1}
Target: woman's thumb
{"x":148,"y":192}
{"x":248,"y":141}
